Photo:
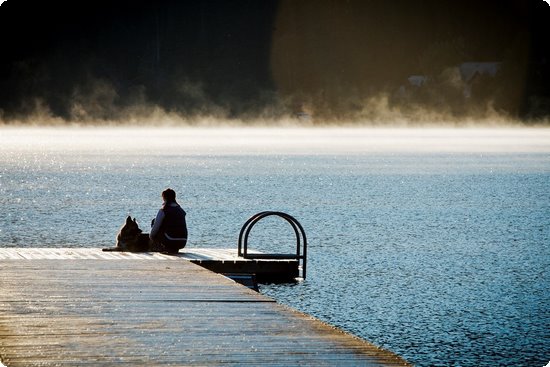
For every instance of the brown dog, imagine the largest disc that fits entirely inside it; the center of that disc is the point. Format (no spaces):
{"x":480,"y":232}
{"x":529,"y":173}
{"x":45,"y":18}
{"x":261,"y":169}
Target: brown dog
{"x":130,"y":238}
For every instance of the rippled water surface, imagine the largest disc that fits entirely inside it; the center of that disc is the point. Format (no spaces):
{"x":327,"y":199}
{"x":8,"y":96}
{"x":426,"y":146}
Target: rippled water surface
{"x":440,"y":255}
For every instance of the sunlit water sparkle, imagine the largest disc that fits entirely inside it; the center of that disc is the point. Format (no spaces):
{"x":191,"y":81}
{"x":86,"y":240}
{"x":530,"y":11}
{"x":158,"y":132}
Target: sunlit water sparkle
{"x":433,"y":243}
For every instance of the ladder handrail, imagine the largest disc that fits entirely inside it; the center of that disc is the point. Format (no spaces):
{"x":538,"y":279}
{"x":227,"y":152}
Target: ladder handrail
{"x":242,"y":249}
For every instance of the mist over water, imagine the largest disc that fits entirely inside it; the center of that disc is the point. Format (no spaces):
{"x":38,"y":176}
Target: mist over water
{"x":272,"y":140}
{"x":432,"y":243}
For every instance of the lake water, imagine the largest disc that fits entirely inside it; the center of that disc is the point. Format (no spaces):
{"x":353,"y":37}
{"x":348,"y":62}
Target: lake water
{"x":434,"y":244}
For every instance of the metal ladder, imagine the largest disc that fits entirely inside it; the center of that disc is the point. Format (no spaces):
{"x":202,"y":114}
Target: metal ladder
{"x":300,"y":255}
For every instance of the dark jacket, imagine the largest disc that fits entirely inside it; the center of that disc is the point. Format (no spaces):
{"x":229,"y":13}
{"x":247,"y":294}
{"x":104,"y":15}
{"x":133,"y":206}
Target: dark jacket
{"x":169,"y":229}
{"x":174,"y":224}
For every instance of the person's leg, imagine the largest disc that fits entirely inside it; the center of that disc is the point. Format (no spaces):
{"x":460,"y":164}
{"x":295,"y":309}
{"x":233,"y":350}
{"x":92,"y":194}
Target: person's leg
{"x":157,"y":246}
{"x":158,"y":241}
{"x":173,"y":247}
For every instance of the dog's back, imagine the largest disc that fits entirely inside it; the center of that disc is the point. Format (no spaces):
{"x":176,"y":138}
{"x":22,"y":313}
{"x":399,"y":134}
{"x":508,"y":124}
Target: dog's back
{"x":139,"y":243}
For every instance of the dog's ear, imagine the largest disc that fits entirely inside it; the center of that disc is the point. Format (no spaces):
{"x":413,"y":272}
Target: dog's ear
{"x":135,"y":221}
{"x":128,"y":220}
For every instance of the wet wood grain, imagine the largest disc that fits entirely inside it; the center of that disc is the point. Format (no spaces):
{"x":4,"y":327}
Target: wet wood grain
{"x":152,"y":311}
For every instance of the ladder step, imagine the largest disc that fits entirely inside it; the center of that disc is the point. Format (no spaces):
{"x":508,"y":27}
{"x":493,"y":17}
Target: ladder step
{"x":273,"y":256}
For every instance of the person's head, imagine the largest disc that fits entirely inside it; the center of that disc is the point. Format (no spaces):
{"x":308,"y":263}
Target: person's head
{"x":169,"y":195}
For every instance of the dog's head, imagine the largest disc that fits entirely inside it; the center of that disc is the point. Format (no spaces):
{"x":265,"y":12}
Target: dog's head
{"x":129,"y":232}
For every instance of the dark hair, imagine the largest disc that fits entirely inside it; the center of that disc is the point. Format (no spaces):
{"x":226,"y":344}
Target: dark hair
{"x":169,"y":195}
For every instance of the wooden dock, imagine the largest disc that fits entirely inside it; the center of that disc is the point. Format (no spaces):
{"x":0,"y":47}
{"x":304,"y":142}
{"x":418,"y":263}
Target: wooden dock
{"x":84,"y":307}
{"x":227,"y":261}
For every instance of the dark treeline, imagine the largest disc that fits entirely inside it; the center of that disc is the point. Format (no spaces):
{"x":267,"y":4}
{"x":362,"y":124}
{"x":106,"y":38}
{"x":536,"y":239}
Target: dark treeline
{"x":332,"y":59}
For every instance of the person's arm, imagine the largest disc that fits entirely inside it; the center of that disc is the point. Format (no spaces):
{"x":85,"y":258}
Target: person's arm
{"x":158,"y":222}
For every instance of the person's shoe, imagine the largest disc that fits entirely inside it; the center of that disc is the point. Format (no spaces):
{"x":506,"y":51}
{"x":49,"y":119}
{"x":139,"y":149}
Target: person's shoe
{"x":170,"y":253}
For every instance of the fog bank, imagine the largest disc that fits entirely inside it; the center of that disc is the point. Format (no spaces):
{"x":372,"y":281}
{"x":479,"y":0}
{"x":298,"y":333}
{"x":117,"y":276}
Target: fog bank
{"x":235,"y":141}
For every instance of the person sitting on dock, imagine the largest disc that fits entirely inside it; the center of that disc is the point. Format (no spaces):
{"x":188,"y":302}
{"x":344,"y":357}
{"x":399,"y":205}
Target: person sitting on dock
{"x":169,"y":228}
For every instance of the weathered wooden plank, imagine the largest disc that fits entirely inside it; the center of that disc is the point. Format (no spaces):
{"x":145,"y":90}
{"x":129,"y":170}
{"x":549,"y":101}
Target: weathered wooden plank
{"x":217,"y":260}
{"x":92,"y":253}
{"x":154,"y":310}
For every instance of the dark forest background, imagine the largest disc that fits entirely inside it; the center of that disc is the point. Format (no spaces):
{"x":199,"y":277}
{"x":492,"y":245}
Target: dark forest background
{"x":315,"y":60}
